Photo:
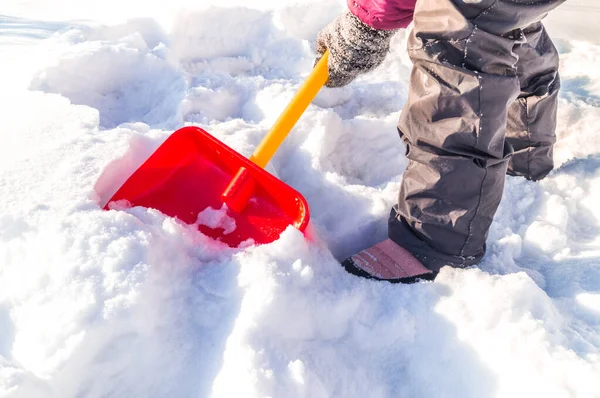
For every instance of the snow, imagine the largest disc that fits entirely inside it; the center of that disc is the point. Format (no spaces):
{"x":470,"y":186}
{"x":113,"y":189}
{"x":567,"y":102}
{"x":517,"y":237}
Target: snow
{"x":130,"y":303}
{"x":217,"y":218}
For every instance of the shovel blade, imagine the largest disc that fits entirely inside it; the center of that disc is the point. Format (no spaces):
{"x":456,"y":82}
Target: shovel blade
{"x":186,"y":177}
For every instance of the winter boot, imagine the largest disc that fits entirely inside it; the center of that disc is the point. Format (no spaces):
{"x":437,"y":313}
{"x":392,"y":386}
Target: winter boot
{"x":388,"y":261}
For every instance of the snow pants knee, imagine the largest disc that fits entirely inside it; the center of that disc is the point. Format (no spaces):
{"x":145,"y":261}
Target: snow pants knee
{"x":482,"y":103}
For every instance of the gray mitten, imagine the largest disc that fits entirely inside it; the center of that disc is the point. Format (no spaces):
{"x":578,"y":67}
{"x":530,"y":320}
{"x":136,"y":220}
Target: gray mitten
{"x":354,"y":48}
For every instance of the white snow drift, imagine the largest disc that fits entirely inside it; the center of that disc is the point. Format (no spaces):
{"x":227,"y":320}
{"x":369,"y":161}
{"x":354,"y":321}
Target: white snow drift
{"x":129,"y":303}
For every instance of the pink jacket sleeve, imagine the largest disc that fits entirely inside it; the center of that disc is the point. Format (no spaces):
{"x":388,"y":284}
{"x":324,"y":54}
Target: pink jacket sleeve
{"x":383,"y":14}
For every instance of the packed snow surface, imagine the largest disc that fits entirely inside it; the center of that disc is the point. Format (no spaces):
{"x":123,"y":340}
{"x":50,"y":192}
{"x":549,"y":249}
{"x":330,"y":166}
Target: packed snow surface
{"x":130,"y":303}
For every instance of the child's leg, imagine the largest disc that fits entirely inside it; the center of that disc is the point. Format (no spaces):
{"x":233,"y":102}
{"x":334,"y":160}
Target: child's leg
{"x":532,"y":117}
{"x":454,"y":123}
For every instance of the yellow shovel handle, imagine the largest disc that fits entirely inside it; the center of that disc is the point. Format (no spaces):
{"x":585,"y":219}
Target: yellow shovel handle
{"x":307,"y":92}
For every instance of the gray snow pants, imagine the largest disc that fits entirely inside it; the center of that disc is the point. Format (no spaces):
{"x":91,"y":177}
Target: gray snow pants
{"x":482,"y":103}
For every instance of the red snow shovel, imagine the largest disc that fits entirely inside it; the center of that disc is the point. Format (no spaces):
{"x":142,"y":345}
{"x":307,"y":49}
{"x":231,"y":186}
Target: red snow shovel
{"x":198,"y":179}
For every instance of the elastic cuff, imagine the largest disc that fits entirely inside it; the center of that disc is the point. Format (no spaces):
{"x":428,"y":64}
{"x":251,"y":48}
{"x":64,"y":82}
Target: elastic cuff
{"x":402,"y":234}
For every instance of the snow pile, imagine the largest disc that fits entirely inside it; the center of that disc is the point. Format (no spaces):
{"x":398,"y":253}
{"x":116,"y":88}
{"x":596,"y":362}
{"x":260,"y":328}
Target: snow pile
{"x":128,"y":303}
{"x":120,"y":72}
{"x":217,"y":218}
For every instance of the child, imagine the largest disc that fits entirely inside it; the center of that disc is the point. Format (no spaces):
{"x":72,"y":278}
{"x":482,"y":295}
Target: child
{"x":482,"y":104}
